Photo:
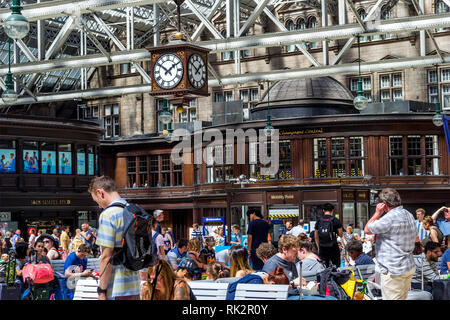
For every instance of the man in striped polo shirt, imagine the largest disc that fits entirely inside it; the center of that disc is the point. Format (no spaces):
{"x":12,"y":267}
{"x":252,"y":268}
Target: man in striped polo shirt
{"x":116,"y":282}
{"x":423,"y":234}
{"x":426,"y":267}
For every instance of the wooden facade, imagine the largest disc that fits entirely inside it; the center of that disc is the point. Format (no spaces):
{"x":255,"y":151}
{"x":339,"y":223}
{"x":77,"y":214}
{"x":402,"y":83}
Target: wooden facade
{"x":197,"y":197}
{"x":45,"y":198}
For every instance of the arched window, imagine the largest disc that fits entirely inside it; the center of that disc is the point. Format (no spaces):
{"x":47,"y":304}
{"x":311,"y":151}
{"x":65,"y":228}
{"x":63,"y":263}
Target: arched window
{"x":441,"y":7}
{"x":290,"y":26}
{"x":312,"y":23}
{"x":228,"y":55}
{"x":362,"y":15}
{"x":301,"y":25}
{"x":386,"y":15}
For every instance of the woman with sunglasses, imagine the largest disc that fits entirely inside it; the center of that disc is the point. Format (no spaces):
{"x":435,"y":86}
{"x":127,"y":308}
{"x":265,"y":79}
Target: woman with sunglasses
{"x":49,"y":245}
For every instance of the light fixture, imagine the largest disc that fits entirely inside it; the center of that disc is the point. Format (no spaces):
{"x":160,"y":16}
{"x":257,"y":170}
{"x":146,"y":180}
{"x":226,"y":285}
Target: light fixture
{"x":9,"y":95}
{"x":360,"y":102}
{"x":180,"y":108}
{"x":268,"y":129}
{"x":437,"y":118}
{"x":16,"y":25}
{"x":165,"y":116}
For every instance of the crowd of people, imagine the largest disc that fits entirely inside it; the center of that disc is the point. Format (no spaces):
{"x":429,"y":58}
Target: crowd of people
{"x":407,"y":252}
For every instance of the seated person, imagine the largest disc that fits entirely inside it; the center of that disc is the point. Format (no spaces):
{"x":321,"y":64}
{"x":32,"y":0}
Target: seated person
{"x":265,"y":251}
{"x":38,"y":252}
{"x":445,"y":262}
{"x":188,"y":270}
{"x":310,"y":262}
{"x":22,"y":258}
{"x":286,"y":257}
{"x":175,"y":255}
{"x":208,"y":254}
{"x":79,"y":261}
{"x":425,"y":267}
{"x":216,"y":270}
{"x":355,"y":251}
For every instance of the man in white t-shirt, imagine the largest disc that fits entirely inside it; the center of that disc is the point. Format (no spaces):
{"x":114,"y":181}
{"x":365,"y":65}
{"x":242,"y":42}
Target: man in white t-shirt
{"x":159,"y":241}
{"x":295,"y":231}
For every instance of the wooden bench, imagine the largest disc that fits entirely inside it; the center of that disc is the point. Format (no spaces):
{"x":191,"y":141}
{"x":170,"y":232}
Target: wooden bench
{"x":246,"y":291}
{"x":209,"y":290}
{"x":86,"y":289}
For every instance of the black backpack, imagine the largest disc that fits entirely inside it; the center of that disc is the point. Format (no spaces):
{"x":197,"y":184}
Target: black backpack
{"x":137,"y":245}
{"x":326,"y":234}
{"x":330,"y":281}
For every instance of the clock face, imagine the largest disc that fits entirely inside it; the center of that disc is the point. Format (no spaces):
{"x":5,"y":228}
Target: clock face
{"x":168,"y":71}
{"x":196,"y":70}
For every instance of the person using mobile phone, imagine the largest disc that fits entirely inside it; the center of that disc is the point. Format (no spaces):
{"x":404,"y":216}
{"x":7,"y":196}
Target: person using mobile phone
{"x":443,"y":224}
{"x":395,"y":234}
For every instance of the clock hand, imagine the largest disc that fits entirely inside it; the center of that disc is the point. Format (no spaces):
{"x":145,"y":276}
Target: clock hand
{"x":164,"y":68}
{"x":197,"y":69}
{"x":170,"y":69}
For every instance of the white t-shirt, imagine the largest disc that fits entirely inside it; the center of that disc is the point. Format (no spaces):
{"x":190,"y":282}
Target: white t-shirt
{"x":295,"y":231}
{"x":159,"y":241}
{"x":222,"y":256}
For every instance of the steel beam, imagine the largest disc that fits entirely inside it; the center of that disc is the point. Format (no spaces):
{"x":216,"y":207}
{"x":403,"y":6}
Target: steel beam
{"x":255,"y":14}
{"x":87,"y":61}
{"x":393,"y":26}
{"x":204,"y":20}
{"x":121,"y":47}
{"x":61,"y":8}
{"x":282,"y":27}
{"x":273,"y":75}
{"x":201,"y":27}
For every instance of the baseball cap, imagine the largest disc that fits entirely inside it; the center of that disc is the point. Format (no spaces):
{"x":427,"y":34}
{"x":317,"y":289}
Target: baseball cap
{"x":189,"y":264}
{"x":157,"y":213}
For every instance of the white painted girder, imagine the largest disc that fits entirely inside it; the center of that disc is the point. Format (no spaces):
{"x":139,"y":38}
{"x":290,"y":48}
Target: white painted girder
{"x":273,"y":75}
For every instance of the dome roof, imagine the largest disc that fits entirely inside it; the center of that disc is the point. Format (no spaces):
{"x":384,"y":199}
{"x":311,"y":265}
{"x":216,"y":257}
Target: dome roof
{"x":305,"y":97}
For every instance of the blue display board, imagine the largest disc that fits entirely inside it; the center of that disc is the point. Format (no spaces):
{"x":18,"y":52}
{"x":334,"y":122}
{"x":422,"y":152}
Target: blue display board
{"x":30,"y":161}
{"x":65,"y":162}
{"x":7,"y":160}
{"x":48,"y":162}
{"x":91,"y":164}
{"x":81,"y":163}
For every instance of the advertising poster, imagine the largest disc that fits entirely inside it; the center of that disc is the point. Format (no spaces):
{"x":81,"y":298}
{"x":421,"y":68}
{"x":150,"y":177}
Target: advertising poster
{"x":30,"y":161}
{"x":81,"y":163}
{"x":48,"y":163}
{"x":91,"y":164}
{"x":65,"y":162}
{"x":7,"y":161}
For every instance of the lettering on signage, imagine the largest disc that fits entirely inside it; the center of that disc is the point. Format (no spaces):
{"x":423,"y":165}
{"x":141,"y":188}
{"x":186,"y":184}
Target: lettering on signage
{"x":50,"y":202}
{"x":298,"y":132}
{"x":281,"y":197}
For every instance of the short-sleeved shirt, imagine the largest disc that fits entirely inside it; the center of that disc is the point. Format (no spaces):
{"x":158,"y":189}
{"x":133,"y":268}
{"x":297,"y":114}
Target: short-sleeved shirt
{"x":423,"y":233}
{"x":159,"y":241}
{"x":445,"y":258}
{"x":196,"y":234}
{"x":395,"y":238}
{"x":73,"y":260}
{"x":290,"y":268}
{"x":363,"y":259}
{"x":444,"y":226}
{"x":336,"y":225}
{"x":236,"y":237}
{"x":123,"y":282}
{"x":259,"y":229}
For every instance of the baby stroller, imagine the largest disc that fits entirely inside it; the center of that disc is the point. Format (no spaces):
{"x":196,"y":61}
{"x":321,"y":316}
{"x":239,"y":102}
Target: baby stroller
{"x":39,"y":280}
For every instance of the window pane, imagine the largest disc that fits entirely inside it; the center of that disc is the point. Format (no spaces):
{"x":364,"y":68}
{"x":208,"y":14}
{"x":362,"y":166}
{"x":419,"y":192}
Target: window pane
{"x":348,"y":213}
{"x":396,"y":146}
{"x":356,"y":147}
{"x":48,"y":156}
{"x":107,"y":110}
{"x":367,"y":84}
{"x":432,"y":76}
{"x":337,"y":147}
{"x":254,"y":94}
{"x":131,"y":168}
{"x":445,"y":75}
{"x":320,"y":148}
{"x":385,"y":96}
{"x":431,"y":146}
{"x":413,"y":145}
{"x":81,"y":160}
{"x":244,"y":95}
{"x":397,"y":80}
{"x":414,"y":167}
{"x":397,"y":95}
{"x":384,"y":81}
